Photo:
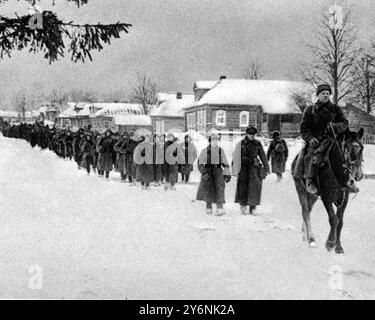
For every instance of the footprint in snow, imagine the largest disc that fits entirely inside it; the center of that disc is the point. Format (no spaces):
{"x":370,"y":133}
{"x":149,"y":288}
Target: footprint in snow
{"x":358,"y":274}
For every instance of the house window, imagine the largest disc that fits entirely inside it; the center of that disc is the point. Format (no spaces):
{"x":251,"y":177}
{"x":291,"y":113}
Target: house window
{"x":221,"y":116}
{"x":244,"y":119}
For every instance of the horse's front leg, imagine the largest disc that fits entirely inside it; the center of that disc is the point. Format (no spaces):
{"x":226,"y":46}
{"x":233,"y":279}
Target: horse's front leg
{"x":340,"y":215}
{"x":306,"y":225}
{"x":333,"y":221}
{"x":304,"y":231}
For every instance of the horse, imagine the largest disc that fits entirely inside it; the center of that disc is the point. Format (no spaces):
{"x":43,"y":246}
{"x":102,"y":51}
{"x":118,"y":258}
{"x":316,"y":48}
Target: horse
{"x":344,"y":166}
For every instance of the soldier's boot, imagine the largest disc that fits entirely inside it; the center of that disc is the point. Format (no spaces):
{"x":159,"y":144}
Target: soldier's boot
{"x":243,"y":210}
{"x":220,"y":212}
{"x":209,"y":211}
{"x":311,"y":186}
{"x":252,"y":210}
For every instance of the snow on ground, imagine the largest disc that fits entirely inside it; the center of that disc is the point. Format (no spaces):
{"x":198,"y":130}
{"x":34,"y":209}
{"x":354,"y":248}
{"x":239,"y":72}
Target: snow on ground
{"x":103,"y":239}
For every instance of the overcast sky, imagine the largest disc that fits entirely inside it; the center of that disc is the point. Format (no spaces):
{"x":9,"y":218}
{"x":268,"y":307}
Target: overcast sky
{"x":177,"y":42}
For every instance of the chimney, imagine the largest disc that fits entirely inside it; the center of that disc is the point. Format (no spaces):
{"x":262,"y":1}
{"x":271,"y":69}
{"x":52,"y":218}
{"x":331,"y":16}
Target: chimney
{"x":223,"y":77}
{"x":179,"y":95}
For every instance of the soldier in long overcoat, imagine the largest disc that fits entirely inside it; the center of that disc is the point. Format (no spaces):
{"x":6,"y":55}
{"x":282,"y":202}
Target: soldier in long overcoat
{"x":143,"y":155}
{"x":105,"y":149}
{"x":87,"y":150}
{"x":68,"y":145}
{"x":77,"y":138}
{"x":215,"y":172}
{"x":158,"y":158}
{"x":278,"y":154}
{"x":190,"y":153}
{"x":173,"y":156}
{"x":120,"y":148}
{"x":250,"y":165}
{"x":130,"y":165}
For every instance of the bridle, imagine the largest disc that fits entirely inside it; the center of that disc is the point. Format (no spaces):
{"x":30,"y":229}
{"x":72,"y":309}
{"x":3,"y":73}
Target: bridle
{"x":345,"y":151}
{"x":350,"y":164}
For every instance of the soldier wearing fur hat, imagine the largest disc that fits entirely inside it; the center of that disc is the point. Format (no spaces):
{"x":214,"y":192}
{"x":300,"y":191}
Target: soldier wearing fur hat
{"x":87,"y":150}
{"x":173,"y":155}
{"x":105,"y":150}
{"x":77,"y":139}
{"x":250,"y":165}
{"x":316,"y":127}
{"x":120,"y":149}
{"x":130,"y":165}
{"x":159,"y":160}
{"x":190,"y":153}
{"x":215,"y":172}
{"x":278,"y":154}
{"x":145,"y":170}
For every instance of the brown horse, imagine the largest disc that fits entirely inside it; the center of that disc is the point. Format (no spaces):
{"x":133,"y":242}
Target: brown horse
{"x":343,"y":168}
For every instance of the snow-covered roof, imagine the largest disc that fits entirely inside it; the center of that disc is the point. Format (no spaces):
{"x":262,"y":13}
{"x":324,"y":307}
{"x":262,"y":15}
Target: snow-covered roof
{"x":170,"y":106}
{"x":274,"y":96}
{"x":6,"y":113}
{"x":49,"y":123}
{"x":204,"y":85}
{"x":100,"y":109}
{"x":112,"y":109}
{"x":32,"y":113}
{"x":28,"y":114}
{"x":132,"y":120}
{"x":76,"y":109}
{"x":42,"y":109}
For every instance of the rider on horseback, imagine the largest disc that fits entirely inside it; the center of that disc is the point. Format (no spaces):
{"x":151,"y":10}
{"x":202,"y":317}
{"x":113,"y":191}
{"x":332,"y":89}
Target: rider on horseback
{"x":319,"y":126}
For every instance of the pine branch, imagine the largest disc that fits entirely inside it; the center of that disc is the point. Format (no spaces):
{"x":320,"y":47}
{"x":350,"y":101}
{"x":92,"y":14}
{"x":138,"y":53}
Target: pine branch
{"x":15,"y":34}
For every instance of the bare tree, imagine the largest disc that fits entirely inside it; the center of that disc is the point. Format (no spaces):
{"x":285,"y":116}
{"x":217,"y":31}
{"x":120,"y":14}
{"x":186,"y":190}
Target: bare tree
{"x":115,"y":96}
{"x":364,"y":80}
{"x":80,"y":95}
{"x":145,"y":92}
{"x":302,"y":98}
{"x":332,"y":54}
{"x":252,"y":71}
{"x":19,"y":103}
{"x":59,"y":99}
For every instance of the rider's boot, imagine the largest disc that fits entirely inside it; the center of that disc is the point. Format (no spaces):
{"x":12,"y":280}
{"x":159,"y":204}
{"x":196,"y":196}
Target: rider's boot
{"x":311,"y":187}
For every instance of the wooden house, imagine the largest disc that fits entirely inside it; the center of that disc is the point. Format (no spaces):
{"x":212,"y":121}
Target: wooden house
{"x":359,"y":118}
{"x":168,"y":114}
{"x":234,"y":104}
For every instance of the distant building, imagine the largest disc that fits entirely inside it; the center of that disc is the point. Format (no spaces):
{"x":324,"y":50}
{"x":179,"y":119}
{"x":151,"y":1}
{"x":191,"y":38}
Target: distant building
{"x":99,"y":115}
{"x":76,"y":116}
{"x":132,"y":122}
{"x":234,"y":104}
{"x":48,"y":112}
{"x":9,"y":116}
{"x":15,"y":116}
{"x":359,"y":118}
{"x":169,"y":112}
{"x":105,"y":113}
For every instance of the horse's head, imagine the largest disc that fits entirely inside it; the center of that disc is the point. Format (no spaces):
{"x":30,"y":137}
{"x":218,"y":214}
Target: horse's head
{"x":353,"y":150}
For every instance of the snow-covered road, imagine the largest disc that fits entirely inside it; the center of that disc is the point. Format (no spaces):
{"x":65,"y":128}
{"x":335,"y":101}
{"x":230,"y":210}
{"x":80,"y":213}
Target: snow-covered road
{"x":102,"y":239}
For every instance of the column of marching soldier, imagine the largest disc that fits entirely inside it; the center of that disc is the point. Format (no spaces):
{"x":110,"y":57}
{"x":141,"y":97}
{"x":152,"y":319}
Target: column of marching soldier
{"x":102,"y":153}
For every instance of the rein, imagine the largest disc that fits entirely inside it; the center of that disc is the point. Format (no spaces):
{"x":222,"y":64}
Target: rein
{"x":346,"y":164}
